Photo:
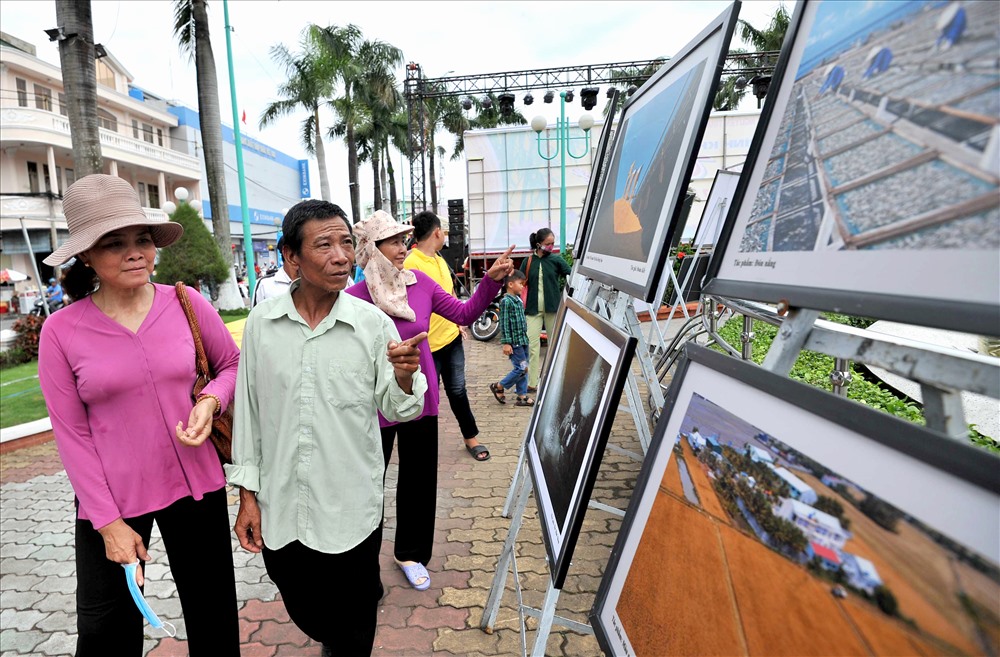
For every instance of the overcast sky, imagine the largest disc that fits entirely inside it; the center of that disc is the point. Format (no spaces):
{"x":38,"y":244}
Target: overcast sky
{"x":445,"y":38}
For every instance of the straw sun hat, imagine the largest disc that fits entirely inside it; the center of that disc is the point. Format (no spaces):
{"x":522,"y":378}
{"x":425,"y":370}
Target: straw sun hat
{"x":97,"y":204}
{"x":379,"y":226}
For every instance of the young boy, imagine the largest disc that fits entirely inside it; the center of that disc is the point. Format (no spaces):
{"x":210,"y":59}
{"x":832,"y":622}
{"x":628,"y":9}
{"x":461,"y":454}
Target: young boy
{"x":514,"y":338}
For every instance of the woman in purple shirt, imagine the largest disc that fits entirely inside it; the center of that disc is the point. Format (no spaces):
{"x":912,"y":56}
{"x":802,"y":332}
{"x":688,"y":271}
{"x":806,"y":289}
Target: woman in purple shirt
{"x":117,"y":369}
{"x":409,"y":297}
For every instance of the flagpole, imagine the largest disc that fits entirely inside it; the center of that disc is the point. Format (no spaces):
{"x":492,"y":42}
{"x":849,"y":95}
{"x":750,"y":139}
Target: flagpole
{"x":247,"y":238}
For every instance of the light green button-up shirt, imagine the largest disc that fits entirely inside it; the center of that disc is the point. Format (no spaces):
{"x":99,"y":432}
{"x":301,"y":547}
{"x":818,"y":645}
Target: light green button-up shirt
{"x":306,"y":436}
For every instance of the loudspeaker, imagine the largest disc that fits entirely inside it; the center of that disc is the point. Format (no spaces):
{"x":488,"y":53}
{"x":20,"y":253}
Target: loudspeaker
{"x":456,"y":207}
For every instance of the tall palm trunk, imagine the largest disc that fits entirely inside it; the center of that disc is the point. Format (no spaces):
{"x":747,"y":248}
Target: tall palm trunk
{"x":76,"y":57}
{"x":352,"y":173}
{"x":385,"y":191}
{"x":324,"y":178}
{"x":210,"y":121}
{"x":393,"y":198}
{"x":430,"y":170}
{"x":376,"y":166}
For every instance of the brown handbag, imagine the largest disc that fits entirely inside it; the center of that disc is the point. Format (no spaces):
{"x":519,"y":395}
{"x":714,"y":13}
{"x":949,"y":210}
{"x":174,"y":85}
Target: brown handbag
{"x":222,"y":424}
{"x":524,"y":289}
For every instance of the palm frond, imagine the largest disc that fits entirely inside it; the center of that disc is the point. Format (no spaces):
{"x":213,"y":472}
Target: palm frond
{"x":184,"y":26}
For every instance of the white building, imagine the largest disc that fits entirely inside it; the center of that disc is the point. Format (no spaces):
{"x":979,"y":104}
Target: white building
{"x":696,"y":440}
{"x":36,"y":160}
{"x":800,"y":489}
{"x":819,"y":527}
{"x":150,"y":142}
{"x":861,"y":573}
{"x":274,"y":182}
{"x":758,"y":455}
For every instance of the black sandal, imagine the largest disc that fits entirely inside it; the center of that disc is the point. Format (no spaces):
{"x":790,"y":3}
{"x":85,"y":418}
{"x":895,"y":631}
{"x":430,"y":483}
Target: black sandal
{"x":497,"y":391}
{"x":524,"y":401}
{"x":477,"y":451}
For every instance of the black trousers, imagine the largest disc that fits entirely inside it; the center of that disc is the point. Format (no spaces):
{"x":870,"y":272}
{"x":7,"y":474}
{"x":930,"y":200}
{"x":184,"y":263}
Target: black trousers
{"x":197,"y":539}
{"x":449,"y":361}
{"x":333,"y":598}
{"x":416,"y":488}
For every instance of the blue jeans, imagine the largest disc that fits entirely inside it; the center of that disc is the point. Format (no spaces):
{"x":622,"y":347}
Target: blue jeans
{"x":449,"y":361}
{"x":518,"y":377}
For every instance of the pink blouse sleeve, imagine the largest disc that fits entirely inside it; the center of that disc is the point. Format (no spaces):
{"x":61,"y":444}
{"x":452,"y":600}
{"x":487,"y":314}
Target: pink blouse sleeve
{"x":72,"y":430}
{"x":464,"y":313}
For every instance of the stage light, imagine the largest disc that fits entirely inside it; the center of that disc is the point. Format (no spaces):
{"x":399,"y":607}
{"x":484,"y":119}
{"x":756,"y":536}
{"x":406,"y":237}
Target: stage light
{"x":486,"y":102}
{"x":610,"y":92}
{"x":569,"y":96}
{"x":506,"y":102}
{"x":549,"y":96}
{"x":632,"y":89}
{"x":466,"y":103}
{"x":588,"y":97}
{"x":528,"y":99}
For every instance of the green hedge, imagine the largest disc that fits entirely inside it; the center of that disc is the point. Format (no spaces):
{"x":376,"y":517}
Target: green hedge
{"x":814,"y":368}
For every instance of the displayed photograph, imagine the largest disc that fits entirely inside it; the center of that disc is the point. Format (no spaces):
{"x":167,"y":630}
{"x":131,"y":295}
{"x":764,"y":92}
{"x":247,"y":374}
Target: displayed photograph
{"x":876,"y":163}
{"x":759,"y":527}
{"x":655,"y":148}
{"x":570,"y":425}
{"x":720,"y":198}
{"x":597,"y":174}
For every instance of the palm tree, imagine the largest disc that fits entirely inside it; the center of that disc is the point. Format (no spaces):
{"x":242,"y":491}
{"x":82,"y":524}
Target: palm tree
{"x":338,"y":47}
{"x":627,"y":78}
{"x":376,"y":92}
{"x":307,"y":85}
{"x":399,"y":133}
{"x":76,"y":57}
{"x":767,"y":40}
{"x":193,"y":38}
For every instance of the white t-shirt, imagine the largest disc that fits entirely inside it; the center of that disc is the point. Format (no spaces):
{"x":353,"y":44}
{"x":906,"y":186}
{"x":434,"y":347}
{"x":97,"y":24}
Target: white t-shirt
{"x":271,"y":286}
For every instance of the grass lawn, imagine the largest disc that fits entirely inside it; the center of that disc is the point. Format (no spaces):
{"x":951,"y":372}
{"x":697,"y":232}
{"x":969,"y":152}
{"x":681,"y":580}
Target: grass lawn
{"x":234,"y":315}
{"x":20,"y":397}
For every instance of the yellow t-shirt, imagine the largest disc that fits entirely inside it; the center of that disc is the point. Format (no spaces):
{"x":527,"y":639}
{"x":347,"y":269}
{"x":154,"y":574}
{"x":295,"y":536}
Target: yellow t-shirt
{"x":442,"y":332}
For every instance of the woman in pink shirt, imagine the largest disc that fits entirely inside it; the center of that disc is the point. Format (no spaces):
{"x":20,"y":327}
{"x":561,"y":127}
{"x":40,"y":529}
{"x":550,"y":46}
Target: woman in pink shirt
{"x":409,"y":298}
{"x":117,"y":369}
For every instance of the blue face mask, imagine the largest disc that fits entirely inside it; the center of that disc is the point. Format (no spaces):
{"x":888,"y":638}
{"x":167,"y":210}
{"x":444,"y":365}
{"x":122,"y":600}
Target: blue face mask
{"x":140,"y":601}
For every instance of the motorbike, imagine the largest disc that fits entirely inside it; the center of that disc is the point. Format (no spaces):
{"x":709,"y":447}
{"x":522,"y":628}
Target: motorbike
{"x":487,"y":325}
{"x":39,"y":308}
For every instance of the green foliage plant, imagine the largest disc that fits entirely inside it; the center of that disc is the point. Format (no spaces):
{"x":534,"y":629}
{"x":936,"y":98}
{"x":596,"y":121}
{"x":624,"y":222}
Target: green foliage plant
{"x":195,"y":258}
{"x":814,"y":368}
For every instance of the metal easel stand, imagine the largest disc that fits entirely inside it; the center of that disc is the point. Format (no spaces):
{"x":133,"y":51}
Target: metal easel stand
{"x":508,"y":562}
{"x":618,"y":309}
{"x":942,"y":373}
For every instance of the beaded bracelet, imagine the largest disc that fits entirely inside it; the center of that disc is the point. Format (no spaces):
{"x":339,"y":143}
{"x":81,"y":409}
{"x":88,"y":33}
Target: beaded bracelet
{"x":218,"y":403}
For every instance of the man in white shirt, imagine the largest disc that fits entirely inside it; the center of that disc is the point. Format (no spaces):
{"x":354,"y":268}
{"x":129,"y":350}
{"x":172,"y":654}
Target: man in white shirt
{"x":277,"y":283}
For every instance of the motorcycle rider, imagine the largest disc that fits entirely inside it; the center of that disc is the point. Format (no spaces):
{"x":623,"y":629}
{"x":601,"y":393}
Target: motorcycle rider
{"x":54,"y":294}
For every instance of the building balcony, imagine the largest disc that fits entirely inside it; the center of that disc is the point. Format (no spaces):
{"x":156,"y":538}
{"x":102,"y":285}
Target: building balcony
{"x":23,"y":125}
{"x":42,"y":211}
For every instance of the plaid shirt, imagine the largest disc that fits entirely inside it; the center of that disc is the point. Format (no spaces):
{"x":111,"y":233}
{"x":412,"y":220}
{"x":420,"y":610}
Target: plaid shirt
{"x":513,"y":325}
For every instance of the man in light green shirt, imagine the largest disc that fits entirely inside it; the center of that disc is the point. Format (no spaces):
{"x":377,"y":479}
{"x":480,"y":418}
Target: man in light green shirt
{"x":316,"y":367}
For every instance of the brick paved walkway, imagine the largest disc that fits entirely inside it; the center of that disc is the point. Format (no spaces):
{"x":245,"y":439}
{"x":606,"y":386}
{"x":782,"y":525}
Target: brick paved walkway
{"x":37,"y":571}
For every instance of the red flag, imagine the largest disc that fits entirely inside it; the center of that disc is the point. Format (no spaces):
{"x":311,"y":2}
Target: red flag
{"x":244,"y":117}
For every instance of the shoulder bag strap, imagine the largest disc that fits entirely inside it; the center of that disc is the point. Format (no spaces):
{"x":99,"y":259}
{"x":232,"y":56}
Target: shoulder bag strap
{"x":201,"y":360}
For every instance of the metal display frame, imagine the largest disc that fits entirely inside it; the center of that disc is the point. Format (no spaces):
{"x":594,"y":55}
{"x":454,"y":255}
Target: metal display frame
{"x":920,"y":447}
{"x":907,"y":269}
{"x":708,"y":47}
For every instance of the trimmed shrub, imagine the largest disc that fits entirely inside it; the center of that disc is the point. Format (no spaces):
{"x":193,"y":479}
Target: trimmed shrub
{"x":194,"y":258}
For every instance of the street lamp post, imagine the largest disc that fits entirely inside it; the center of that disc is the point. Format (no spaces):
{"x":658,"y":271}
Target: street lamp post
{"x":562,"y":141}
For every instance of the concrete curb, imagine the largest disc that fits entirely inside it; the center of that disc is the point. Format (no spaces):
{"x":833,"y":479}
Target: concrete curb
{"x":26,"y":429}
